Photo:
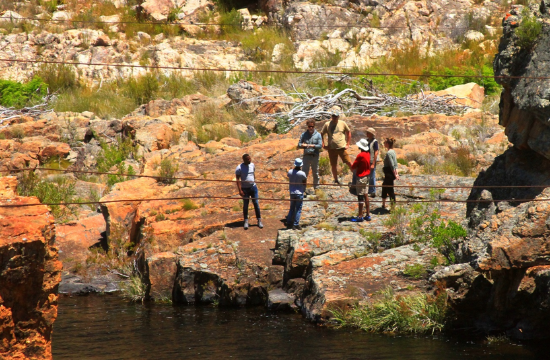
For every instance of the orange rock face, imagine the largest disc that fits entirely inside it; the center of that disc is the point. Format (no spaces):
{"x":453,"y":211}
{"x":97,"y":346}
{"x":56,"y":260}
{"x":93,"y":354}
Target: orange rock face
{"x":29,"y":276}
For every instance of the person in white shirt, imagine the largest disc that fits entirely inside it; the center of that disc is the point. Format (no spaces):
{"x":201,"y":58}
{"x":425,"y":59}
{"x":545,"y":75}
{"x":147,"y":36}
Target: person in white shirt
{"x":247,"y":188}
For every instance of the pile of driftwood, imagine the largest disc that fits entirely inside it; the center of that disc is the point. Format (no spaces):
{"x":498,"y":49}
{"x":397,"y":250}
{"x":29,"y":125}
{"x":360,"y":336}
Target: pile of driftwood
{"x":10,"y":113}
{"x":351,"y":102}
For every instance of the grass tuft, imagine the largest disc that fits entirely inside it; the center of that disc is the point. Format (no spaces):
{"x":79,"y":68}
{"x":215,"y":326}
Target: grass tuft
{"x":397,"y":314}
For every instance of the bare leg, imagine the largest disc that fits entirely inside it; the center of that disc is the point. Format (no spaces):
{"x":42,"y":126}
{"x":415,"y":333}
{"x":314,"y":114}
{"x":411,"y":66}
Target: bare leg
{"x":367,"y":204}
{"x":360,"y":210}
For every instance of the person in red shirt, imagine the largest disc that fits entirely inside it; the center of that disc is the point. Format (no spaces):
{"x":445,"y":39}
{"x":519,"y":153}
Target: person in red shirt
{"x":361,"y":167}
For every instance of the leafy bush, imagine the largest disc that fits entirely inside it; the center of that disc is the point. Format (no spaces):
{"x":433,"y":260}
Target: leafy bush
{"x":444,"y":235}
{"x":427,"y":226}
{"x":416,"y":271}
{"x":324,"y":166}
{"x":528,"y":30}
{"x":114,"y":153}
{"x":397,"y":220}
{"x":167,"y":171}
{"x":142,"y":89}
{"x":397,"y":314}
{"x":58,"y":190}
{"x":20,"y":95}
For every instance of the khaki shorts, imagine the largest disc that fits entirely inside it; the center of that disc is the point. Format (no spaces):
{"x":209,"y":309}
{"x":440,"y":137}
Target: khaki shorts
{"x":334,"y":153}
{"x":362,"y":184}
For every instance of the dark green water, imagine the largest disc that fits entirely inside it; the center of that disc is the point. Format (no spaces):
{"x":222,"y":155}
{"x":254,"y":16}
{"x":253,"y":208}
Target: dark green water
{"x":107,"y":327}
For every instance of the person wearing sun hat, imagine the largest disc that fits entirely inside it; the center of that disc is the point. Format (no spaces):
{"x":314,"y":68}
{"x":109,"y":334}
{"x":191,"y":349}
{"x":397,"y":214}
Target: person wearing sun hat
{"x":297,"y":186}
{"x":361,"y":167}
{"x":373,"y":145}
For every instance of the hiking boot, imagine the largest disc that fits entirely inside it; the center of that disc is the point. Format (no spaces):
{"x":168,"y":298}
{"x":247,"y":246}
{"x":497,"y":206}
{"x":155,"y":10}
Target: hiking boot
{"x":246,"y":224}
{"x":373,"y":195}
{"x":367,"y":218}
{"x":297,"y":227}
{"x":357,"y":219}
{"x":336,"y":182}
{"x":260,"y":225}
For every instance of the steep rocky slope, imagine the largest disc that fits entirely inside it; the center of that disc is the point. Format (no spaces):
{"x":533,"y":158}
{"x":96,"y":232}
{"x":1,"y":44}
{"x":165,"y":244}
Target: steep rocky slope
{"x":340,"y":28}
{"x":503,"y":286}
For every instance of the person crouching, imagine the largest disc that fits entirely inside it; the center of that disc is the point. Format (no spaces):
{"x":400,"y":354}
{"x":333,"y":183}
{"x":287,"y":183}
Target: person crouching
{"x":297,"y":186}
{"x":361,"y":167}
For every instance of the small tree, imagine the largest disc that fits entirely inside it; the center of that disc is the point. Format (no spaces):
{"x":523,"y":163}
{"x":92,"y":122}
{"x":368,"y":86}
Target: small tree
{"x":167,"y":171}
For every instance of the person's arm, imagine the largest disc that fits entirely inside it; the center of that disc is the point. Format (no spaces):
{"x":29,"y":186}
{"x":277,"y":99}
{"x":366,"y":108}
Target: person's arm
{"x":348,"y":136}
{"x":318,"y":142}
{"x":239,"y":187}
{"x":393,"y":159}
{"x":323,"y":132}
{"x":301,"y":142}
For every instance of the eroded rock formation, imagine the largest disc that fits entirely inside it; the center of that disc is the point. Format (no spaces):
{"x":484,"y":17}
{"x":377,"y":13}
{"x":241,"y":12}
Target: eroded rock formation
{"x":503,"y":287}
{"x":29,"y":276}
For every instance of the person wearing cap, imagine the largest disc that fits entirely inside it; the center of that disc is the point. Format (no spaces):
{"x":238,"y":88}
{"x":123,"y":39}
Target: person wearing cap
{"x":246,"y":185}
{"x":338,"y":141}
{"x":361,"y":167}
{"x":297,"y":186}
{"x":312,"y":143}
{"x":373,"y":146}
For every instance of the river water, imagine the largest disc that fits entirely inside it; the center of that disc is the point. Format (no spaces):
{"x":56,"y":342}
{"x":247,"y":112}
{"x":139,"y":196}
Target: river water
{"x":108,"y":327}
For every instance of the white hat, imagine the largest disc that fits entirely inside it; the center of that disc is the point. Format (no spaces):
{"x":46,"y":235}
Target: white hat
{"x":363,"y":144}
{"x":298,"y":162}
{"x":335,"y":113}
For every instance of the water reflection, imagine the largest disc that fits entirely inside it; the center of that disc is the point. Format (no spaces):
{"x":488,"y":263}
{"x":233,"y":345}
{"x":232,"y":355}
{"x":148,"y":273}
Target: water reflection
{"x":107,"y":327}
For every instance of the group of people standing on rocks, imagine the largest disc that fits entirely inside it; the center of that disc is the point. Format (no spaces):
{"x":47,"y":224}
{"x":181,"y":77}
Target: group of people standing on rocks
{"x":335,"y":137}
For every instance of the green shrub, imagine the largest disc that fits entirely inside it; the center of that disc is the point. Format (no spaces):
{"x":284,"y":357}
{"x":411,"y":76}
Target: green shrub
{"x":188,"y":204}
{"x":398,"y":221}
{"x":427,"y":226}
{"x":14,"y":94}
{"x":443,"y":237}
{"x":58,"y":190}
{"x":114,"y":153}
{"x":142,"y":89}
{"x":397,"y":314}
{"x":403,"y":162}
{"x":416,"y":271}
{"x":59,"y":77}
{"x":528,"y":30}
{"x":167,"y":171}
{"x":324,"y":166}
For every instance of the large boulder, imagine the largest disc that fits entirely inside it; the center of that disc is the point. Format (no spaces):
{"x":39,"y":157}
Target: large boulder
{"x":506,"y":290}
{"x":525,"y":102}
{"x":29,"y":276}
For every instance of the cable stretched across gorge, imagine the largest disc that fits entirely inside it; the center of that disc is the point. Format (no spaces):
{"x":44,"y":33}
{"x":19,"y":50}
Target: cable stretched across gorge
{"x":234,"y":197}
{"x":349,"y":73}
{"x":279,"y":182}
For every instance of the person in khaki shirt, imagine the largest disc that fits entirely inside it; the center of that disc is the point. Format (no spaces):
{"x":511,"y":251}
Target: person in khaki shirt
{"x":338,"y":140}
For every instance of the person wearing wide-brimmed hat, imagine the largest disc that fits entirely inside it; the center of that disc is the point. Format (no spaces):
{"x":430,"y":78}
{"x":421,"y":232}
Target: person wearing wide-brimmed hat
{"x":297,"y":186}
{"x":373,"y":146}
{"x":361,"y":167}
{"x":338,"y":136}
